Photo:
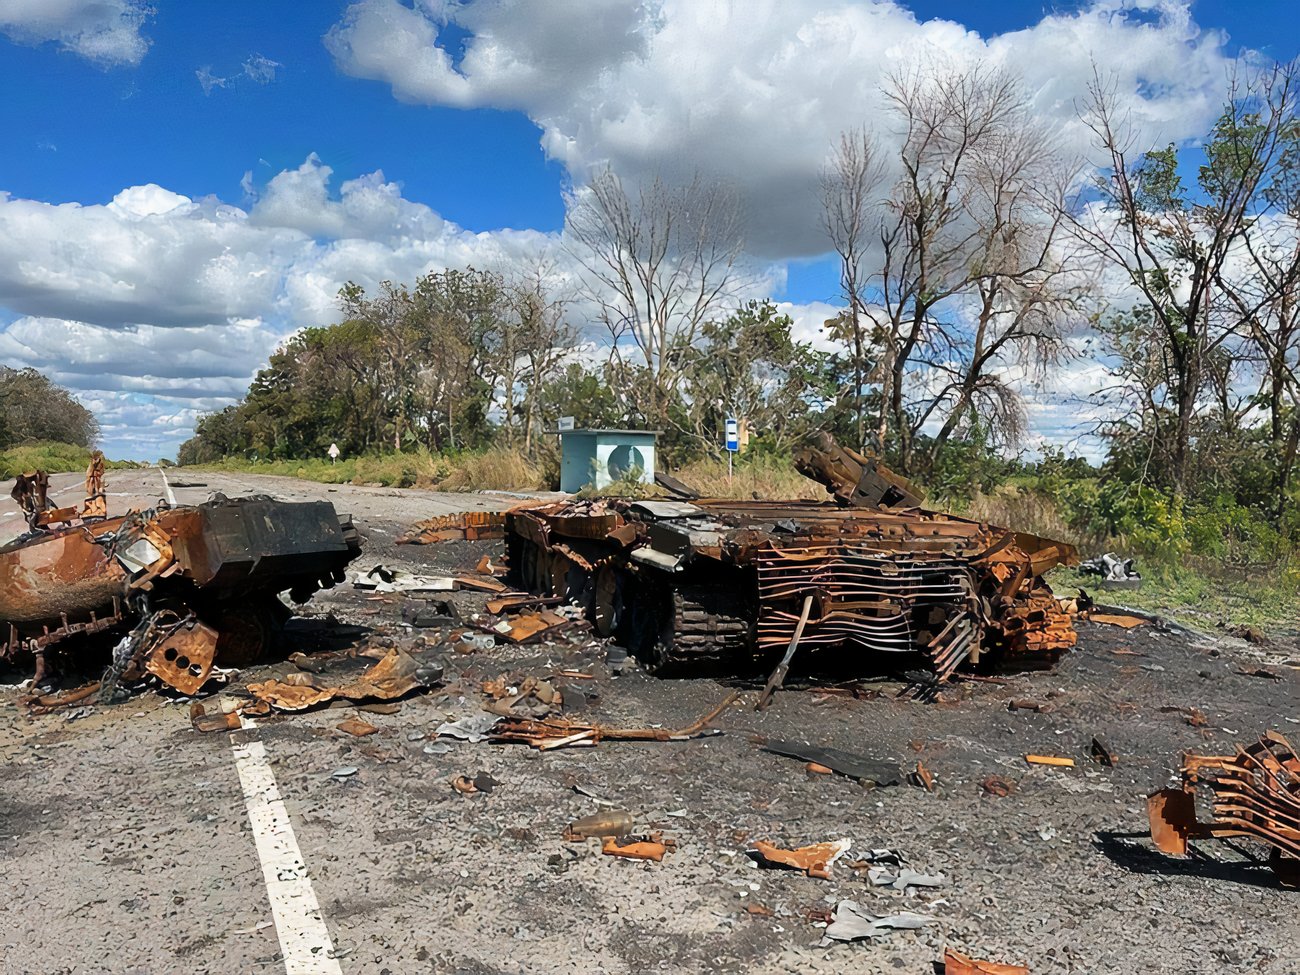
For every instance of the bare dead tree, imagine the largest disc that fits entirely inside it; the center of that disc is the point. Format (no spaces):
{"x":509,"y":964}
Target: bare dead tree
{"x":850,"y":184}
{"x":967,"y":271}
{"x":659,"y":261}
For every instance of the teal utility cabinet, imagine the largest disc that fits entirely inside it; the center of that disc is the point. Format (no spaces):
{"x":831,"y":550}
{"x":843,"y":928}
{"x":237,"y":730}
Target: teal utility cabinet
{"x":600,"y":457}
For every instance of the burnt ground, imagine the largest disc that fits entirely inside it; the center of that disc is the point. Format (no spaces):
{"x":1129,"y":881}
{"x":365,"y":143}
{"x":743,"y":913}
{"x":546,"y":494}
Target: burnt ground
{"x":125,"y":845}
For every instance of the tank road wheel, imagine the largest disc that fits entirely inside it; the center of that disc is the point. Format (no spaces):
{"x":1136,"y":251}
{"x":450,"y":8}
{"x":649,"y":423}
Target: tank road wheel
{"x":245,"y":633}
{"x":647,"y":622}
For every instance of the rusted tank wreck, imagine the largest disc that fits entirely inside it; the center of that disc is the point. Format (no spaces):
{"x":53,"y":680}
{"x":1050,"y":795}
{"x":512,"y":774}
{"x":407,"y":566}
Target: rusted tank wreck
{"x":868,"y":577}
{"x":185,"y":587}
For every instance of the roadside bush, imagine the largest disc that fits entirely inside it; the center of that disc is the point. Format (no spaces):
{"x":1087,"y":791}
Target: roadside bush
{"x":51,"y":457}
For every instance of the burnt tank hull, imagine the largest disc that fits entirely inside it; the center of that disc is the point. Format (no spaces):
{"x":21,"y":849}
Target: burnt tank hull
{"x":724,"y":582}
{"x":224,"y":560}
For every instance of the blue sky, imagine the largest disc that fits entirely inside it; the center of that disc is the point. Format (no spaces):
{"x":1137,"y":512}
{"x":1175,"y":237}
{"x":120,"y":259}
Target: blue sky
{"x":93,"y":108}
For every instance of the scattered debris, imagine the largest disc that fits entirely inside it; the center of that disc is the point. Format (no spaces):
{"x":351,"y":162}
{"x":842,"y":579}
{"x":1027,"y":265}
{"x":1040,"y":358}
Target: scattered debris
{"x":1056,"y":760}
{"x":615,"y":822}
{"x":1038,"y":707}
{"x":1115,"y":572}
{"x":344,"y":772}
{"x":923,"y":778}
{"x":865,"y":770}
{"x":383,"y":579}
{"x":852,"y":923}
{"x":650,"y":847}
{"x":531,"y":695}
{"x":482,"y":782}
{"x":775,"y":681}
{"x":395,"y":676}
{"x":1101,"y":754}
{"x":481,"y":583}
{"x":815,"y":860}
{"x":1118,"y":619}
{"x":532,"y":627}
{"x":1251,"y":634}
{"x":208,"y":723}
{"x":356,"y":727}
{"x":473,"y":729}
{"x":905,"y":878}
{"x":955,"y":963}
{"x":555,"y":733}
{"x":1260,"y":672}
{"x":996,"y":785}
{"x":1256,"y":793}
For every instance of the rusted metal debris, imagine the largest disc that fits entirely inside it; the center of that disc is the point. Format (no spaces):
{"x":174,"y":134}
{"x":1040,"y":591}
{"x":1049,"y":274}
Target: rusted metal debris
{"x":468,"y":525}
{"x":955,"y":963}
{"x":546,"y":734}
{"x":652,"y":846}
{"x":1254,"y":793}
{"x":186,"y":587}
{"x":726,"y":582}
{"x":394,"y":676}
{"x":815,"y":860}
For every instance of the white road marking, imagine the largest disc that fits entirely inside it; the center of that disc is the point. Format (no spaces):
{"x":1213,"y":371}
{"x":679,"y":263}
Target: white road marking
{"x":171,"y":498}
{"x":304,"y":940}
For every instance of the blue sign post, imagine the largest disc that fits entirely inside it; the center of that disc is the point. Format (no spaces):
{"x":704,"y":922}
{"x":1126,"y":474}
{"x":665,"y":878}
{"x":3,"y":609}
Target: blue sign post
{"x":732,"y":441}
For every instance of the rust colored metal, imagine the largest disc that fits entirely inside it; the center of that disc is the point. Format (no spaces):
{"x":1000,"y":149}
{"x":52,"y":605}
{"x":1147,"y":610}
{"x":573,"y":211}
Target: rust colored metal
{"x":725,"y":582}
{"x":651,"y":847}
{"x":394,"y":676}
{"x":96,"y":503}
{"x":815,"y":860}
{"x":471,"y":525}
{"x":1254,"y":793}
{"x":222,"y":563}
{"x":955,"y":963}
{"x":550,"y":733}
{"x":183,"y":656}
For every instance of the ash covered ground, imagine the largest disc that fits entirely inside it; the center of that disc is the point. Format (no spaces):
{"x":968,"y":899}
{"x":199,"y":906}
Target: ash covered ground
{"x":125,"y":845}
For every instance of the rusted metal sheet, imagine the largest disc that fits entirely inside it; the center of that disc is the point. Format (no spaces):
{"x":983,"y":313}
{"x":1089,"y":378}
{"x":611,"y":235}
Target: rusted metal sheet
{"x":815,"y":860}
{"x":183,"y":658}
{"x":726,"y":582}
{"x":1254,"y":793}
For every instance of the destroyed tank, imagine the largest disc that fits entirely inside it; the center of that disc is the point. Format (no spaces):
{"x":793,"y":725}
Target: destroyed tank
{"x":193,"y":584}
{"x":868,"y":581}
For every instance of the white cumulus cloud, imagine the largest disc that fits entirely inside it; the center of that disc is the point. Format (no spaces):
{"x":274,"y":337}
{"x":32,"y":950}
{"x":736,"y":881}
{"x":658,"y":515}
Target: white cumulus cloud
{"x":154,"y":307}
{"x":107,"y":32}
{"x":754,"y":92}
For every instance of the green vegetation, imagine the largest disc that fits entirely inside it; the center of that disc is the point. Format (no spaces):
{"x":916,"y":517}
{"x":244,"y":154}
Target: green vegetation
{"x":51,"y":457}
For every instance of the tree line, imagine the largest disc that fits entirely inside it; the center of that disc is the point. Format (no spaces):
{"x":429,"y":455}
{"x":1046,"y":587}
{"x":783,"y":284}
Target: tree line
{"x":35,"y":409}
{"x":975,"y":255}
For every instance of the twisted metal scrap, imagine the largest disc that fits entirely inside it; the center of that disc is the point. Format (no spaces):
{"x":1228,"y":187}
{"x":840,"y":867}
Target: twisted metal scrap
{"x":1255,"y":793}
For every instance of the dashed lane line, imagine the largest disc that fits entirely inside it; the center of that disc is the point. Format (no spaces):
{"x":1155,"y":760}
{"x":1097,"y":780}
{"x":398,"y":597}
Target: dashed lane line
{"x":304,"y":940}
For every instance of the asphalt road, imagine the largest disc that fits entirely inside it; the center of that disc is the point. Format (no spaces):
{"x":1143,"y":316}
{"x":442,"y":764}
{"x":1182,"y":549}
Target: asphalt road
{"x":130,"y":843}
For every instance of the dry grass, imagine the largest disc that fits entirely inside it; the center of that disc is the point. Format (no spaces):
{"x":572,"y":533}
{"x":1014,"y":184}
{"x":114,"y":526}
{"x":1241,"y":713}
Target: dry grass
{"x":1025,"y":511}
{"x":497,"y":469}
{"x":768,"y":480}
